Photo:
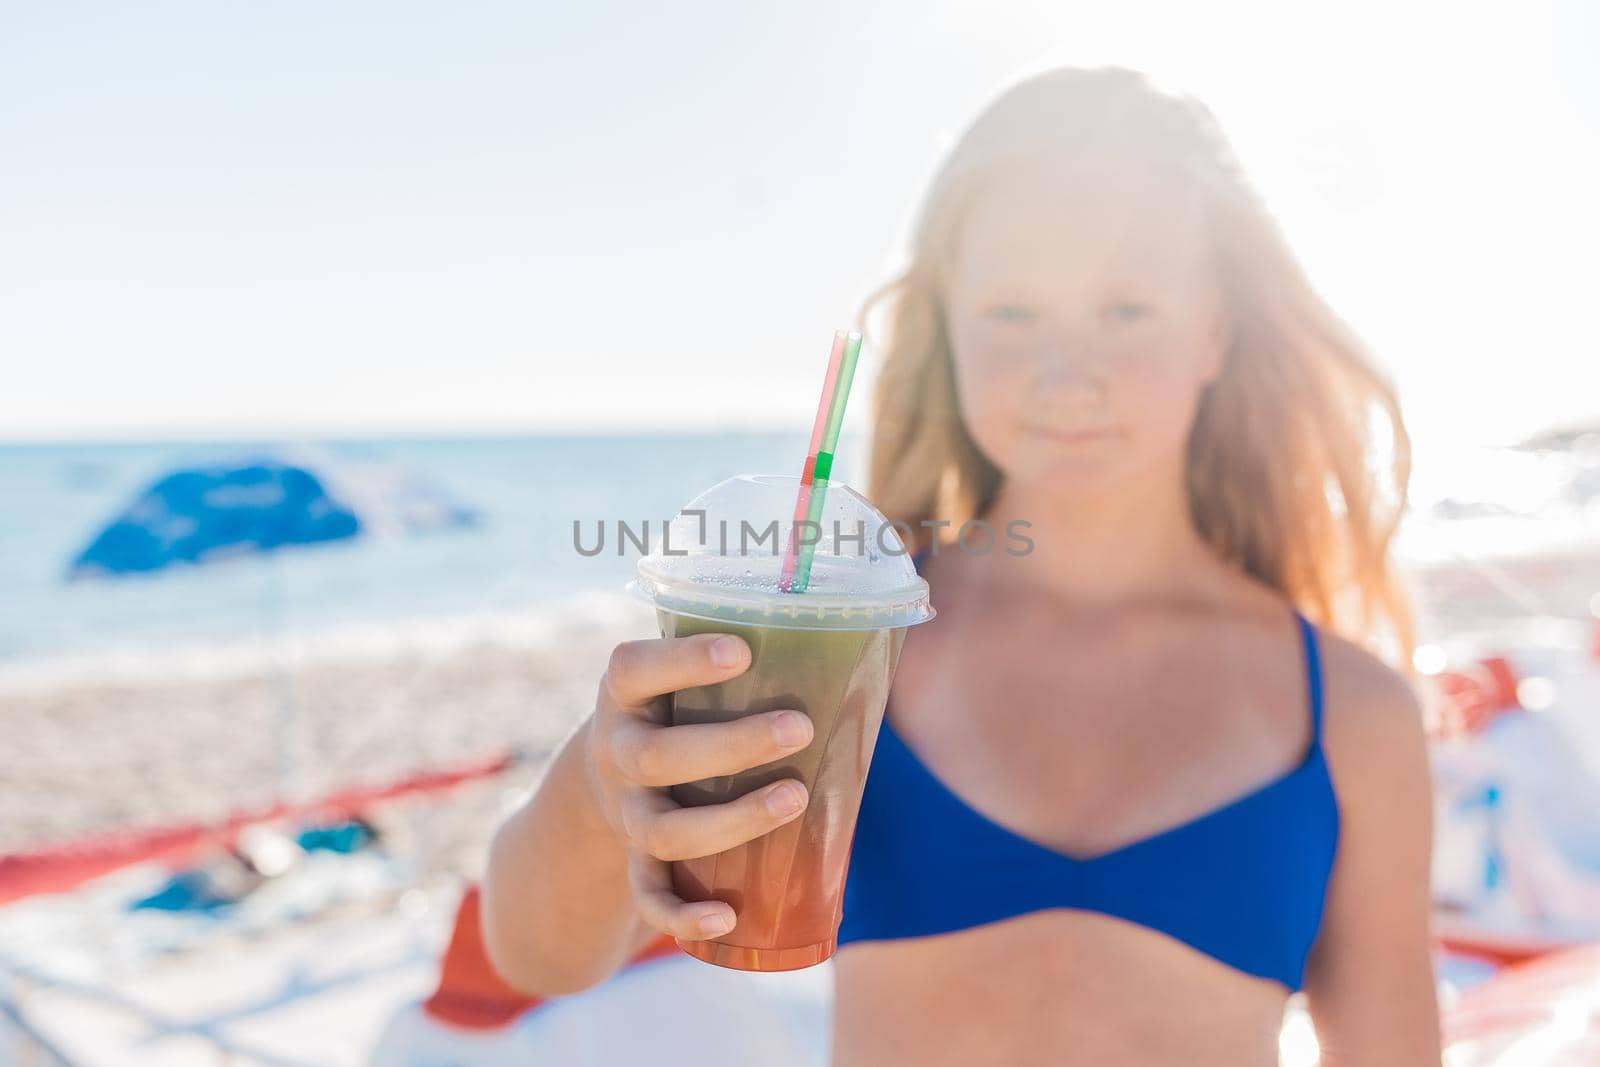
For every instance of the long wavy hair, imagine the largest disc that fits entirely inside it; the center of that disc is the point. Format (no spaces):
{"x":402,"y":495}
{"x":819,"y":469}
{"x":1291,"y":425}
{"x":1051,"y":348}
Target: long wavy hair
{"x":1298,"y":459}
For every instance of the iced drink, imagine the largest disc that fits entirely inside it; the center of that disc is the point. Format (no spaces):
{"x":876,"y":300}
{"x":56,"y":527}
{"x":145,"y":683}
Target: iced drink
{"x":829,"y":652}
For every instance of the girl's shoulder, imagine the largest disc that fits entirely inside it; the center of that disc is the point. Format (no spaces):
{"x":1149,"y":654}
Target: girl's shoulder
{"x":1365,"y":701}
{"x":1372,"y":727}
{"x":1373,"y":947}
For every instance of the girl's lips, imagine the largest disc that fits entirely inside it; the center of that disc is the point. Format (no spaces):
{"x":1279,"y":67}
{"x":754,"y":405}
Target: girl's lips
{"x":1073,"y":437}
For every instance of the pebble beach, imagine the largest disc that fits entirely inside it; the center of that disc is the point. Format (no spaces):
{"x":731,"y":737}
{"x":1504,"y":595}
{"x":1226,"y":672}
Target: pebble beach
{"x":167,"y":738}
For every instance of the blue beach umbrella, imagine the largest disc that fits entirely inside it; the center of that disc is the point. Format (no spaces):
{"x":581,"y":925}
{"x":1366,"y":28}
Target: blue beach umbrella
{"x":259,"y":505}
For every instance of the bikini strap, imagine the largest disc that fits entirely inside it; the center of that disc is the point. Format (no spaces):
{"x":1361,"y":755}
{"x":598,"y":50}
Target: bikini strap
{"x":1308,"y":635}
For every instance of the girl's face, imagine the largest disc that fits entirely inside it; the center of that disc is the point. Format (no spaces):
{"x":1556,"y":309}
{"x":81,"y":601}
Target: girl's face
{"x":1084,"y":323}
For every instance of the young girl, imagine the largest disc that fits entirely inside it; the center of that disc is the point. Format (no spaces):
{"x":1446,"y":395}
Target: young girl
{"x":1138,"y":785}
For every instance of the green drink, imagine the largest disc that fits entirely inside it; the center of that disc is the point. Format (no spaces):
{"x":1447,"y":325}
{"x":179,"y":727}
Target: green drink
{"x":829,"y":652}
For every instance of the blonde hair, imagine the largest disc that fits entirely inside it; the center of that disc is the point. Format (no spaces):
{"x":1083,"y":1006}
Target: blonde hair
{"x":1298,"y":459}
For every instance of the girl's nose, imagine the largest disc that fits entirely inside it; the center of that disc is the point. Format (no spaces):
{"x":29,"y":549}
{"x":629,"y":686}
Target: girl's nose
{"x":1068,"y":364}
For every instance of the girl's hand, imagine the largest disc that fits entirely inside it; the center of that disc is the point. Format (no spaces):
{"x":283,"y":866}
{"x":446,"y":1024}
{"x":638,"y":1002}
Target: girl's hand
{"x":634,"y":756}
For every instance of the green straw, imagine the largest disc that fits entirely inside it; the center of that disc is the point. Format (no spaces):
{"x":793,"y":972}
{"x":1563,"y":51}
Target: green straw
{"x":830,"y":441}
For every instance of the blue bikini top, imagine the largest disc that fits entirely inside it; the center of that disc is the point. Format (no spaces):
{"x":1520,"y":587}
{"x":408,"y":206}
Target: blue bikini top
{"x":1244,"y":883}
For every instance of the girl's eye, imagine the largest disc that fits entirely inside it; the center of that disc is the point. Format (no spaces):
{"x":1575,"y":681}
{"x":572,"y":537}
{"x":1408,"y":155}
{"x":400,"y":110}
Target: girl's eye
{"x":1009,"y":313}
{"x":1129,"y":311}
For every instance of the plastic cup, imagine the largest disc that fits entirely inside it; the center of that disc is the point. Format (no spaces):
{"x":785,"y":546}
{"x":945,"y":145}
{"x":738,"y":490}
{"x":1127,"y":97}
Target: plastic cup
{"x":829,"y":652}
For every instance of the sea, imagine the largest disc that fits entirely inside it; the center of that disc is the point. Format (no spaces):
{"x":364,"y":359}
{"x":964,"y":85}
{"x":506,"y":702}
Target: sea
{"x":519,"y":563}
{"x":519,"y":557}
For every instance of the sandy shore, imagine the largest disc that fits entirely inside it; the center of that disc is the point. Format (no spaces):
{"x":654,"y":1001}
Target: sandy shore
{"x":143,"y":747}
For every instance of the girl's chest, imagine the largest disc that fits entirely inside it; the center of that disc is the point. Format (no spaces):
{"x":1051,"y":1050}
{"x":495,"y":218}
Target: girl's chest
{"x":1085,"y":739}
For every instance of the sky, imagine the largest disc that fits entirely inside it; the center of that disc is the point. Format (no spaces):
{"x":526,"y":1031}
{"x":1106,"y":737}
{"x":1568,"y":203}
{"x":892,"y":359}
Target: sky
{"x":297,"y":218}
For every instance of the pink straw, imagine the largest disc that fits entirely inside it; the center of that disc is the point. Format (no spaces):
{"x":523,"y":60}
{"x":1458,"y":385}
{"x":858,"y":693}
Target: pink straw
{"x":803,"y":499}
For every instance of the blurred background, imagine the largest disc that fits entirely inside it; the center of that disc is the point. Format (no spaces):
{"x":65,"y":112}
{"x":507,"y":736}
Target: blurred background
{"x":320,"y":326}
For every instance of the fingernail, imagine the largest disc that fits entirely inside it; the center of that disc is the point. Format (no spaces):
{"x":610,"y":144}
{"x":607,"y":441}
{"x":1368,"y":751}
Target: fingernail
{"x":784,"y":800}
{"x":725,"y":651}
{"x":790,"y":729}
{"x":714,"y":924}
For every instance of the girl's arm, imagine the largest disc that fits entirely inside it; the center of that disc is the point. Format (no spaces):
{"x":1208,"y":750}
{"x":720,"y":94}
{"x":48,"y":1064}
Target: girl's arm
{"x":558,"y":913}
{"x":1370,"y":981}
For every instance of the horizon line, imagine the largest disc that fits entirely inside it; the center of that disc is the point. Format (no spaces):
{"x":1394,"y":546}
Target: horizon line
{"x":291,"y":434}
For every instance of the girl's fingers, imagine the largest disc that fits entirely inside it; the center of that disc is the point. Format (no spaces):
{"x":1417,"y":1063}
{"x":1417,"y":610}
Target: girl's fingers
{"x":650,"y":756}
{"x":653,"y":755}
{"x":642,"y":671}
{"x":658,"y":826}
{"x":664,"y":910}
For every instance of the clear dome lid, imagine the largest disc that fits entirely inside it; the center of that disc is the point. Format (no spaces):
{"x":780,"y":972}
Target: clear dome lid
{"x":722,"y":557}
